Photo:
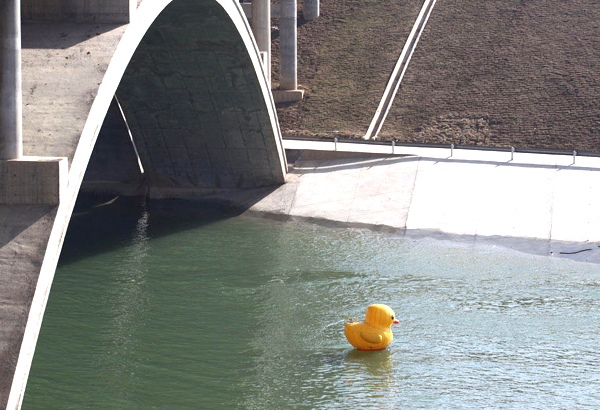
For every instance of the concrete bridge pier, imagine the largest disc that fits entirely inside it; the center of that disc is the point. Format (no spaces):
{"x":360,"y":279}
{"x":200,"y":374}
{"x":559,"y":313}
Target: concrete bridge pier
{"x":310,"y":9}
{"x":11,"y":117}
{"x":288,"y":45}
{"x":288,"y":50}
{"x":261,"y":28}
{"x":23,"y":180}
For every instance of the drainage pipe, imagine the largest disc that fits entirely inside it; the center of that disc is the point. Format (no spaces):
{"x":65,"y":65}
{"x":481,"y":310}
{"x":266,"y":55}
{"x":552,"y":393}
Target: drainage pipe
{"x":11,"y":110}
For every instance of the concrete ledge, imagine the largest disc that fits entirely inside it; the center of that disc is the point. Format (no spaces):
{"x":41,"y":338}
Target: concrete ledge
{"x":33,"y":181}
{"x":282,"y":96}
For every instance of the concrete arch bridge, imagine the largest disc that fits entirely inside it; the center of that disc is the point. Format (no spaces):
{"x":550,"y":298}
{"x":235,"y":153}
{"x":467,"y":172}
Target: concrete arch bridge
{"x":193,"y":112}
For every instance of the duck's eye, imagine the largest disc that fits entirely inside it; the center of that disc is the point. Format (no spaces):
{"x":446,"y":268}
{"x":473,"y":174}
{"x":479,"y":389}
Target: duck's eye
{"x":392,"y":317}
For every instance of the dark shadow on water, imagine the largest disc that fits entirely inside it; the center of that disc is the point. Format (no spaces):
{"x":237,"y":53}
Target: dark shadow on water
{"x":101,"y":223}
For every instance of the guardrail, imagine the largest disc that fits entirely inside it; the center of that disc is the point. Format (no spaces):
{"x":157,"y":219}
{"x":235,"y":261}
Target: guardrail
{"x":394,"y":144}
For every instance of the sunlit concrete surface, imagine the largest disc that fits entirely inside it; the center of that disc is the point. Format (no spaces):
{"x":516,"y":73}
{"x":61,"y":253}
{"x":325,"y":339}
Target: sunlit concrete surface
{"x":536,"y":203}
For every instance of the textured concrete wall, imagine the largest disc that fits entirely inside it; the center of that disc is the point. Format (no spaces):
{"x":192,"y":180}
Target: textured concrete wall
{"x":78,"y":11}
{"x":33,"y":181}
{"x":24,"y":234}
{"x":63,"y":67}
{"x":191,"y":96}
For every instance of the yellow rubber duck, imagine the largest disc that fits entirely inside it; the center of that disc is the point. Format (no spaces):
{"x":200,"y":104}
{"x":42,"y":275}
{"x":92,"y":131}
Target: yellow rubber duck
{"x":375,"y":333}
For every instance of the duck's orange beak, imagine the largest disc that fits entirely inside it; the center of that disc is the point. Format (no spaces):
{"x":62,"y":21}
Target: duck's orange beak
{"x":396,"y":321}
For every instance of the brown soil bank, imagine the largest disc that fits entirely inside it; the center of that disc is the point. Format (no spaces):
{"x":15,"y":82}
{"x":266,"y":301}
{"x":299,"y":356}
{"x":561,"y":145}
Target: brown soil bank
{"x":345,"y":58}
{"x":491,"y":73}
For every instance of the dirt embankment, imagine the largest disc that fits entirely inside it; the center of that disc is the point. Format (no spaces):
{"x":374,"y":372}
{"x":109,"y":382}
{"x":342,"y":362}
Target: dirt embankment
{"x":345,"y":58}
{"x":494,"y":73}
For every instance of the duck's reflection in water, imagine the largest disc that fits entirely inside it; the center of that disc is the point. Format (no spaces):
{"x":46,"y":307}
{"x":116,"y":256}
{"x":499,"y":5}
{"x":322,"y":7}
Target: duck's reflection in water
{"x":378,"y":364}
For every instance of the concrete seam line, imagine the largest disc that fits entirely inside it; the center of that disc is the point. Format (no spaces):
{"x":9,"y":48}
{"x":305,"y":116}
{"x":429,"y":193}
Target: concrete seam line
{"x":360,"y":172}
{"x":135,"y":150}
{"x":412,"y":194}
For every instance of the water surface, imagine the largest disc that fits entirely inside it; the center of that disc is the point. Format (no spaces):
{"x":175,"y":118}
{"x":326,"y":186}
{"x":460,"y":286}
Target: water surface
{"x":173,"y":307}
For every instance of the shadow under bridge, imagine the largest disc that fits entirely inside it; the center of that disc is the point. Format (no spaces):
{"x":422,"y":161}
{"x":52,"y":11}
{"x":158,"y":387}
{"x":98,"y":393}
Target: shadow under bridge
{"x":198,"y":104}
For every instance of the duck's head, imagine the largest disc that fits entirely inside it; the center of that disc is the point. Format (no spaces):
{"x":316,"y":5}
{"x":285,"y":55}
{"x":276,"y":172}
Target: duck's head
{"x":381,"y":315}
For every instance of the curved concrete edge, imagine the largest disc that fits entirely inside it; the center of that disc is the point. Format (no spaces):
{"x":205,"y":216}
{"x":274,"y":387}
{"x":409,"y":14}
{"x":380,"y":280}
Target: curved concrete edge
{"x":106,"y":91}
{"x":143,"y":19}
{"x":235,"y":11}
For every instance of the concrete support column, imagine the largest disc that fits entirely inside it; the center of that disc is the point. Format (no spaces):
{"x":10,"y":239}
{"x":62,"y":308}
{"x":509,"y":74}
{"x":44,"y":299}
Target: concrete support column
{"x":261,"y":28}
{"x":310,"y":9}
{"x":288,"y":79}
{"x":11,"y":116}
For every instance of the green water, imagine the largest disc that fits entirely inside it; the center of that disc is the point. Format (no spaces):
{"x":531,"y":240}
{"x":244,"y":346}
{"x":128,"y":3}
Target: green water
{"x":170,"y":307}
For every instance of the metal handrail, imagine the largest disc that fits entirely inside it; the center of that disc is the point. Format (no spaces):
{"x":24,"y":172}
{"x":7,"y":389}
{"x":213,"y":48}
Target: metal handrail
{"x":395,"y":143}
